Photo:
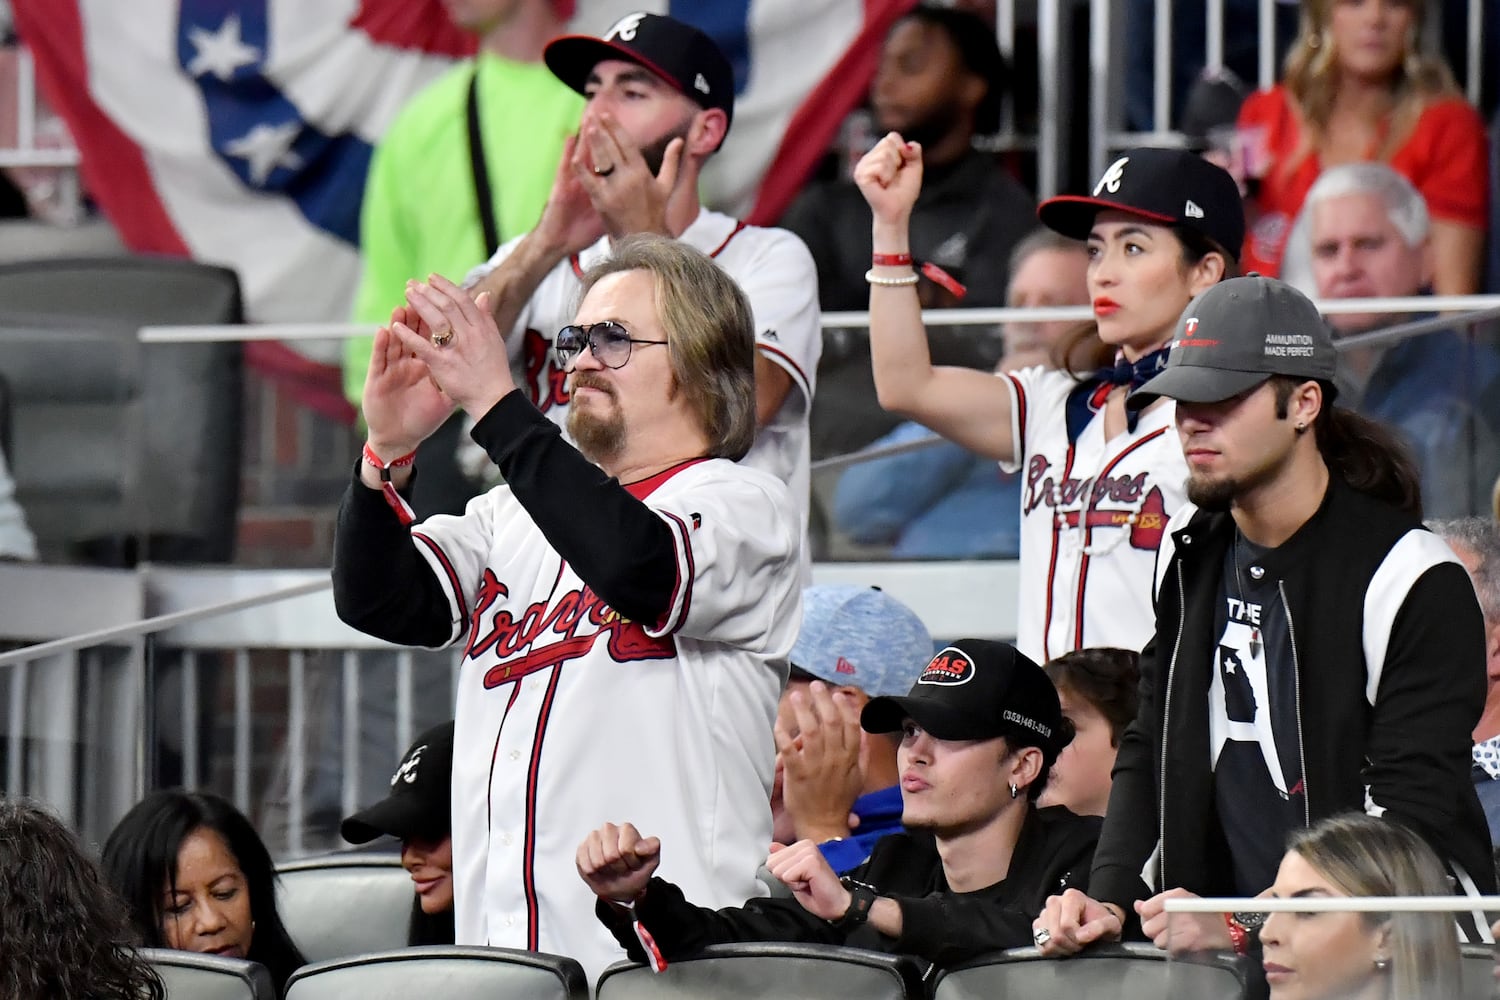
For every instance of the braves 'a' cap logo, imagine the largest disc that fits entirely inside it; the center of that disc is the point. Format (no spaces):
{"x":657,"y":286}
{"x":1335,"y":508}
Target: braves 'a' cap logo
{"x":951,"y":666}
{"x":625,"y":28}
{"x":1111,"y":180}
{"x":407,"y":772}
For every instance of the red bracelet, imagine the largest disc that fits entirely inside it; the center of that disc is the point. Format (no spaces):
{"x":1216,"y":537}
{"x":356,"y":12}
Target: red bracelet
{"x":393,"y":499}
{"x":891,"y":259}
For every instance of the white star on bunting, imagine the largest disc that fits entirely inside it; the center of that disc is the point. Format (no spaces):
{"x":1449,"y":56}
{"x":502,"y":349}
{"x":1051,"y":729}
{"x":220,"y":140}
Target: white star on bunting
{"x":266,"y":147}
{"x":220,"y":52}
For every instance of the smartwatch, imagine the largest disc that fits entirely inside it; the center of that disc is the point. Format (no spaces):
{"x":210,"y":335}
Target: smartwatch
{"x":861,"y":898}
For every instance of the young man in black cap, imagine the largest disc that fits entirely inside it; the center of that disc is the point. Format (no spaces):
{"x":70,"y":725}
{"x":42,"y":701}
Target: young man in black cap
{"x":419,"y":813}
{"x":659,"y":101}
{"x":1317,"y":650}
{"x":980,"y":730}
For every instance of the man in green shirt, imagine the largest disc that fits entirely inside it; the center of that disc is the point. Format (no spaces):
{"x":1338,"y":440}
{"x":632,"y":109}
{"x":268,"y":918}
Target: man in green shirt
{"x":421,"y":212}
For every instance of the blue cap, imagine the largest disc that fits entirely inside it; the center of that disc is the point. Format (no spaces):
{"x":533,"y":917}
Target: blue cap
{"x":861,"y":637}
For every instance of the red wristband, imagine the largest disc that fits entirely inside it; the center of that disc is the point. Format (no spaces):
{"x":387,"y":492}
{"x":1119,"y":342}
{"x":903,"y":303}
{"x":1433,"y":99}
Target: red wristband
{"x":392,"y":498}
{"x":932,"y":272}
{"x":891,"y":259}
{"x":1239,"y":938}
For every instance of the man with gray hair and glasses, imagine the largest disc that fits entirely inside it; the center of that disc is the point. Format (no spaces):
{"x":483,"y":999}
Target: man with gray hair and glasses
{"x":1368,"y":233}
{"x":1476,"y":542}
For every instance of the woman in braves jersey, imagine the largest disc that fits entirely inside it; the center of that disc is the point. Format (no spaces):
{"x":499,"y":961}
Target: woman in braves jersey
{"x":1098,"y":483}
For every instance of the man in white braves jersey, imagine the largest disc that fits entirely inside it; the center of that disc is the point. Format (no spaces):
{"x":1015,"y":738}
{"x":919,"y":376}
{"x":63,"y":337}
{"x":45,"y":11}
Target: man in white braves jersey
{"x":627,"y":611}
{"x":660,"y":97}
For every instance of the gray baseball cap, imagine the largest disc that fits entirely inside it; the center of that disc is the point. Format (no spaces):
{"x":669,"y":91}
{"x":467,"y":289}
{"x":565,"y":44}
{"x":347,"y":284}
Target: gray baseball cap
{"x":860,"y":637}
{"x":1236,"y":335}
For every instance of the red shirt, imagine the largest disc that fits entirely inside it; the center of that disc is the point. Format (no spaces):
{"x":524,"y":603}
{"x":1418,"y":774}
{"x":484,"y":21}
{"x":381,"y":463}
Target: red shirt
{"x":1445,"y":158}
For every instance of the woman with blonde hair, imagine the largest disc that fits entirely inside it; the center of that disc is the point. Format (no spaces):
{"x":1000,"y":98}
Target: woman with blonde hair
{"x":1356,"y":87}
{"x":1380,"y":956}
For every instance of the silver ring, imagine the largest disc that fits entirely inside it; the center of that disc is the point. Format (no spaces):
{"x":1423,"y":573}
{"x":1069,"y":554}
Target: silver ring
{"x":1042,"y":936}
{"x":604,"y":172}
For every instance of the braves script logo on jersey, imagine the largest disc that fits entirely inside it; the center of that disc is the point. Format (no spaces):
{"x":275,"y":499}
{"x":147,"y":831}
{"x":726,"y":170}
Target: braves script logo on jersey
{"x":1146,"y":515}
{"x":546,"y":384}
{"x":557,"y":630}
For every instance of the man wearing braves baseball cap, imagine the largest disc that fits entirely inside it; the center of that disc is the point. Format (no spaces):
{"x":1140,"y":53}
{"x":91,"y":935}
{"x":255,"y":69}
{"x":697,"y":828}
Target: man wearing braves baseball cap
{"x":979,"y":729}
{"x":835,"y":783}
{"x":659,"y":101}
{"x":1317,"y":649}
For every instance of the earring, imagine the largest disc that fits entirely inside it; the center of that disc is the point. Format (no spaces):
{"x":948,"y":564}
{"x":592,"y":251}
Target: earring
{"x":1382,"y":964}
{"x":1301,"y":428}
{"x":1014,"y":791}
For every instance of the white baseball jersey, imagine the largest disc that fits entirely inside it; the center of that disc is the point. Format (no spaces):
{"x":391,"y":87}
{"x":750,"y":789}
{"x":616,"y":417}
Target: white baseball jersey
{"x":570,"y":716}
{"x":777,"y":274}
{"x":1093,"y":513}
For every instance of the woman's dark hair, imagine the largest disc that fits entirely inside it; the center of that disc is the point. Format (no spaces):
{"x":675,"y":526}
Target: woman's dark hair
{"x":63,"y":933}
{"x":140,"y":861}
{"x":428,"y":928}
{"x":1365,"y":454}
{"x":979,"y":49}
{"x":1105,"y":677}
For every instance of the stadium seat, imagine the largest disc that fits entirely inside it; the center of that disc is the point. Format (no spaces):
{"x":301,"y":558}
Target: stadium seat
{"x":1110,"y":972}
{"x":122,"y":451}
{"x":190,"y":976}
{"x":743,"y":971}
{"x":1478,"y":971}
{"x":346,"y":904}
{"x":445,"y":971}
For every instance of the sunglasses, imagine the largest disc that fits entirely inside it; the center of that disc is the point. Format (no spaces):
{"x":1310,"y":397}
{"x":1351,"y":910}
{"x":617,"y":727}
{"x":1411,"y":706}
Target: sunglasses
{"x":609,"y":341}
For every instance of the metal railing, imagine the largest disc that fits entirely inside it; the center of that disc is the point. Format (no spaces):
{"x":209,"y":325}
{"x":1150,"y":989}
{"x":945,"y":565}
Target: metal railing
{"x":245,"y":682}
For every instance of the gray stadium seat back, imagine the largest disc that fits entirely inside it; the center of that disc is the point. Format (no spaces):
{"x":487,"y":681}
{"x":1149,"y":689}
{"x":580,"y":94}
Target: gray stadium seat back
{"x":190,"y":976}
{"x":123,"y":451}
{"x":1478,"y":971}
{"x":1113,"y":972}
{"x":343,"y":905}
{"x":784,"y":971}
{"x":442,"y":972}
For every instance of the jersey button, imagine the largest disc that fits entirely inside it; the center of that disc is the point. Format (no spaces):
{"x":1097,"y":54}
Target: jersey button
{"x":515,"y":755}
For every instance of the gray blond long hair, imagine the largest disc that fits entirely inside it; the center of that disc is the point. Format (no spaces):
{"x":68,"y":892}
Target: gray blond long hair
{"x":710,"y":334}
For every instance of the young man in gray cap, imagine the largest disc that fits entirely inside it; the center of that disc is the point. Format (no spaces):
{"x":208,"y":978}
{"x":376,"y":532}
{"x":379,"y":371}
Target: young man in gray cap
{"x":1317,"y":650}
{"x":856,"y":643}
{"x":980,"y":730}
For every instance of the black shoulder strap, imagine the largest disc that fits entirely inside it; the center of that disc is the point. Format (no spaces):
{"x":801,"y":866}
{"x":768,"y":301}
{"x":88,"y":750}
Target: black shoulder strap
{"x":482,"y":195}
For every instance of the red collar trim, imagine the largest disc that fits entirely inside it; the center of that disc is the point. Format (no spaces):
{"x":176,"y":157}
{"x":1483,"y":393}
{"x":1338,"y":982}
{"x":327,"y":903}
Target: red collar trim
{"x":643,"y":488}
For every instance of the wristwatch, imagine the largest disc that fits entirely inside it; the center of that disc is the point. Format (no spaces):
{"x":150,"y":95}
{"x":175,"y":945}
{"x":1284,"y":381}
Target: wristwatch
{"x":861,"y":898}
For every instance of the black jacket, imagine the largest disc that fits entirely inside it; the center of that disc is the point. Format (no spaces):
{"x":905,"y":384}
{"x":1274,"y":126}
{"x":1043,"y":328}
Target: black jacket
{"x":1358,"y":578}
{"x":1054,"y":852}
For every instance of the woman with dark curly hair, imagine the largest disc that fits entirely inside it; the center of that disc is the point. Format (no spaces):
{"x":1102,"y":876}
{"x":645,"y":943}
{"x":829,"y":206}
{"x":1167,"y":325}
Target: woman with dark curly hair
{"x":197,"y":877}
{"x":63,"y":933}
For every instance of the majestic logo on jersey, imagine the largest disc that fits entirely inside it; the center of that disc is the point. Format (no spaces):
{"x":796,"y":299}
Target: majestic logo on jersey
{"x":546,"y":383}
{"x":1099,"y":503}
{"x":552,"y":632}
{"x":949,"y":668}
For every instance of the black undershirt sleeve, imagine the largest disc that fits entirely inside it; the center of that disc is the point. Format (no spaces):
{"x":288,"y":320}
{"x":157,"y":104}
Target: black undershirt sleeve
{"x":616,"y":544}
{"x":381,"y":584}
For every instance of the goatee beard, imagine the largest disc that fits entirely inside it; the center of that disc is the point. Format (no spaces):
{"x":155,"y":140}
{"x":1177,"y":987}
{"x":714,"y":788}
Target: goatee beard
{"x":599,"y":439}
{"x":1215,"y":495}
